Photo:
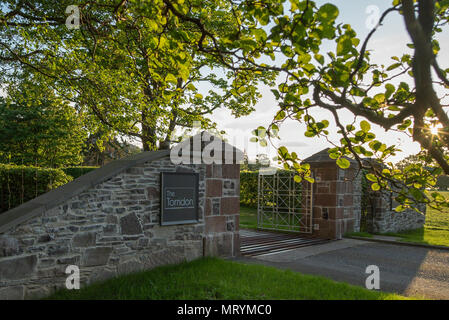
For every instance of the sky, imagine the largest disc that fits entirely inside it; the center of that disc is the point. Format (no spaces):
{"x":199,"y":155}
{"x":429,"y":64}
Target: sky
{"x":390,"y":39}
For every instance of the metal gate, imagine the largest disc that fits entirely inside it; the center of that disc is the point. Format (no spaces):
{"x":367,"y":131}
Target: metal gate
{"x":284,"y":204}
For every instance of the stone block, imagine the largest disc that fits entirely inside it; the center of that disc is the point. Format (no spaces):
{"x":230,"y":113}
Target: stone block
{"x":237,"y":222}
{"x":327,"y":174}
{"x":348,"y":226}
{"x":208,"y":207}
{"x":215,"y":224}
{"x":323,"y":187}
{"x":348,"y":200}
{"x":9,"y":246}
{"x":18,"y":267}
{"x":231,"y":188}
{"x":57,"y":249}
{"x":110,"y":229}
{"x":130,"y":224}
{"x":75,"y":259}
{"x":85,"y":239}
{"x":214,"y":170}
{"x":153,"y":193}
{"x":325,"y":200}
{"x":11,"y":293}
{"x":98,"y":256}
{"x":44,"y":238}
{"x":230,"y":205}
{"x":219,"y":245}
{"x":216,"y":206}
{"x":213,"y":188}
{"x":129,"y":267}
{"x":231,"y":171}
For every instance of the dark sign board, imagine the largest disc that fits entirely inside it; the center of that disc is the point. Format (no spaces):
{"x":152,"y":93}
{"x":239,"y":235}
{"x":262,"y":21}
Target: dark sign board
{"x":179,"y":198}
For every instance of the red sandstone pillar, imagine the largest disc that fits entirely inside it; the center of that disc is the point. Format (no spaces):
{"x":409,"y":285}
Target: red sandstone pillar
{"x":334,"y":202}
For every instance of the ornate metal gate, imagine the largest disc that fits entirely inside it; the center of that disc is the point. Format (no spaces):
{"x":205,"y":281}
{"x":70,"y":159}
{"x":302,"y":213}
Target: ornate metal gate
{"x":284,"y":204}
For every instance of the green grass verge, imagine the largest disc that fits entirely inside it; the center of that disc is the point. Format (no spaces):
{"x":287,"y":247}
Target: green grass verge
{"x":248,"y":217}
{"x":359,"y":234}
{"x":211,"y":278}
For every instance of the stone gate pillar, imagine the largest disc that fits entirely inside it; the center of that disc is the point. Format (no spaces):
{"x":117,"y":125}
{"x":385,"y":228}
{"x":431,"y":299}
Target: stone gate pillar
{"x":336,"y":197}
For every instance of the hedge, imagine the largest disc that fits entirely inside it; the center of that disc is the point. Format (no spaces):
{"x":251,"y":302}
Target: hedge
{"x":19,"y":184}
{"x":76,"y":172}
{"x":249,"y":188}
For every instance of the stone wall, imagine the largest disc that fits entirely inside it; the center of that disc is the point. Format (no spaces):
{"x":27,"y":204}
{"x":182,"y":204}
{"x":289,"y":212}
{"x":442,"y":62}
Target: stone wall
{"x":113,"y":228}
{"x":381,"y":217}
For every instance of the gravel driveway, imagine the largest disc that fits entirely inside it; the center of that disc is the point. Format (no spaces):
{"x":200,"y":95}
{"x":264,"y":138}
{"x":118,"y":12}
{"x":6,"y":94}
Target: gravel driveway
{"x":408,"y":270}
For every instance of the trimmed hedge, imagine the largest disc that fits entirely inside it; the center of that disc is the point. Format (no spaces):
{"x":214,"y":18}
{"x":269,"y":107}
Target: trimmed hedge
{"x":249,"y":188}
{"x":19,"y":184}
{"x":76,"y":172}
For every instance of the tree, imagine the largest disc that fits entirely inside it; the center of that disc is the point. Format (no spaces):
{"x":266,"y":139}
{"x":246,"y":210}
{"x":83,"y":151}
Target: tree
{"x":347,"y":79}
{"x":421,"y":160}
{"x":113,"y":149}
{"x":262,"y":160}
{"x":133,"y":66}
{"x":39,"y":129}
{"x":285,"y":38}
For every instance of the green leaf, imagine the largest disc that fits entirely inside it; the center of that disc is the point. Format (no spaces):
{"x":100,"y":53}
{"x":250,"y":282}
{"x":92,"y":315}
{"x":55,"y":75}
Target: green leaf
{"x":343,"y":163}
{"x":375,"y":186}
{"x":393,"y":66}
{"x":327,"y":13}
{"x":171,"y":78}
{"x":309,"y":179}
{"x":365,"y":126}
{"x":283,"y":151}
{"x":344,"y":45}
{"x":389,"y":90}
{"x":334,"y":155}
{"x":319,"y":58}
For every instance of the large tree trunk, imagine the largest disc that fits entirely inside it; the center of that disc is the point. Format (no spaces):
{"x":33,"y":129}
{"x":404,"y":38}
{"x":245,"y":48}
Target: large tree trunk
{"x":149,"y":138}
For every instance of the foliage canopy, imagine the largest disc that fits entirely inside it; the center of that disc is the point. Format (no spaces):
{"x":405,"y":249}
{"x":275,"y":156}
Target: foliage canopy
{"x":137,"y":63}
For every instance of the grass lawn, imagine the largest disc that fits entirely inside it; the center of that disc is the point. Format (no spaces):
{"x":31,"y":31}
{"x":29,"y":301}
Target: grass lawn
{"x":211,"y":278}
{"x":248,"y":217}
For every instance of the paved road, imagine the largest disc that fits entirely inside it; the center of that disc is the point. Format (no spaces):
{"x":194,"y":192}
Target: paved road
{"x":411,"y":271}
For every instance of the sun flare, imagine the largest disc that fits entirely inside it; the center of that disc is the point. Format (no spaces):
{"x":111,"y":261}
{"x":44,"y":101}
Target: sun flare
{"x":434,"y":129}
